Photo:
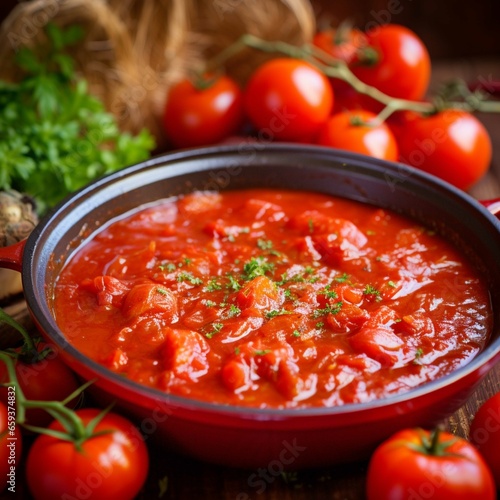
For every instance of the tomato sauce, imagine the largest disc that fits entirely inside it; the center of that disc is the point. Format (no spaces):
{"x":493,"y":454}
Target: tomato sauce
{"x":271,"y":298}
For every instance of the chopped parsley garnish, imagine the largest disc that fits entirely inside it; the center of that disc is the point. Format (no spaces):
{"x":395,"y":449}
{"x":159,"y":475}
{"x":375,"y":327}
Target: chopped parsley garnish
{"x":261,"y":352}
{"x":342,"y":279}
{"x":256,"y":266}
{"x":216,"y":328}
{"x":232,"y":312}
{"x":276,"y":312}
{"x":210,"y":303}
{"x":391,"y":284}
{"x":233,"y":283}
{"x":213,"y":285}
{"x":371,"y":290}
{"x":329,"y":294}
{"x":168,"y":266}
{"x":162,"y":291}
{"x":296,"y":333}
{"x":264,"y":244}
{"x":329,"y":309}
{"x":189,"y":278}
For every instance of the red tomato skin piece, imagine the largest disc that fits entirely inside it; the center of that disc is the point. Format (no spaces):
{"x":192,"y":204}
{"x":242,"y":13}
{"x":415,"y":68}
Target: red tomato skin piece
{"x":398,"y":471}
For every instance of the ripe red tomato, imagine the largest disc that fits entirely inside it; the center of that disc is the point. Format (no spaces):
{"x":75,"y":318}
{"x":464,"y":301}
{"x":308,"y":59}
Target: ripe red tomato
{"x":408,"y":466}
{"x":203,"y":116}
{"x":288,"y":99}
{"x":452,"y":145}
{"x":10,"y":445}
{"x":48,"y":379}
{"x":485,"y":434}
{"x":356,"y":131}
{"x":110,"y":465}
{"x":403,"y":66}
{"x":342,"y":44}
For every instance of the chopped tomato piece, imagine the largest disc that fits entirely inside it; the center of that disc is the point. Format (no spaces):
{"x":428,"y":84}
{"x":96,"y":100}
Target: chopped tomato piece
{"x":349,"y":318}
{"x":237,"y":375}
{"x":315,"y":223}
{"x":150,"y":298}
{"x":110,"y":291}
{"x":134,"y":264}
{"x":415,"y":324}
{"x":185,"y":353}
{"x":381,"y":344}
{"x":261,"y":293}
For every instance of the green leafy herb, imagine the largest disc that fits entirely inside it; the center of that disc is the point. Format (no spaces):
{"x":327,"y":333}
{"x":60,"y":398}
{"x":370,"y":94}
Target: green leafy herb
{"x":275,"y":312}
{"x":55,"y":137}
{"x":189,"y":278}
{"x":256,"y":266}
{"x":216,"y":328}
{"x":371,"y":290}
{"x":329,"y":309}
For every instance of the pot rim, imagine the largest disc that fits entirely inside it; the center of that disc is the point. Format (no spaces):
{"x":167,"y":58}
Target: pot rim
{"x":481,"y":363}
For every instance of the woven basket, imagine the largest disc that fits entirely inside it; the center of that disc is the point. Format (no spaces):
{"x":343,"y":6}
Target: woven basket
{"x":133,"y":50}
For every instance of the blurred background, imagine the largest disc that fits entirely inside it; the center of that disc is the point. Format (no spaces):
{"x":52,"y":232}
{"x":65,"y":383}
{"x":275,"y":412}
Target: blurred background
{"x":449,"y":28}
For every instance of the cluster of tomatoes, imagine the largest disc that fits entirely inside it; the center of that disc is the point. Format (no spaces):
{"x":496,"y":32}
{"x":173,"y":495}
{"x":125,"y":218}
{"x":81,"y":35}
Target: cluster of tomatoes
{"x":292,"y":99}
{"x":83,"y":453}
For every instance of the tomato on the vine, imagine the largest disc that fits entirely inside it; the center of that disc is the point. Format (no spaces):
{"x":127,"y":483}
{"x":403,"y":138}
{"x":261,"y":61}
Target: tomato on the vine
{"x":110,"y":464}
{"x":485,"y":434}
{"x":452,"y":144}
{"x":45,"y":377}
{"x":414,"y":463}
{"x":359,"y":131}
{"x":342,"y":44}
{"x":288,"y":99}
{"x":10,"y":445}
{"x":397,"y":62}
{"x":203,"y":114}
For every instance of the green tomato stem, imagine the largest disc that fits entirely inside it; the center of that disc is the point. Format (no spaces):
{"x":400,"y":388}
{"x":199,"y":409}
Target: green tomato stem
{"x":27,"y":340}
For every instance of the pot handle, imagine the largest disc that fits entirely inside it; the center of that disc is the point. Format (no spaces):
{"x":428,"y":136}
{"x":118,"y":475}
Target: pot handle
{"x":11,"y":257}
{"x":493,"y":206}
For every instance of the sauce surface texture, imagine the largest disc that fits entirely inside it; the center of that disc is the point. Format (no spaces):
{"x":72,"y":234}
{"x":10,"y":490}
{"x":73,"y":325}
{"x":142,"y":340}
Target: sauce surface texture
{"x":271,"y":298}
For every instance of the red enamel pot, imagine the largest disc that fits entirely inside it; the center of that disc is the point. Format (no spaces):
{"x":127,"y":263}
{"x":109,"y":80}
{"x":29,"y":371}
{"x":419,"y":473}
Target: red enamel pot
{"x":247,"y":437}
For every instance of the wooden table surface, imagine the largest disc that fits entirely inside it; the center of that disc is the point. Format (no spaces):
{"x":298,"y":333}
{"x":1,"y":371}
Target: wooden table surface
{"x":173,"y":477}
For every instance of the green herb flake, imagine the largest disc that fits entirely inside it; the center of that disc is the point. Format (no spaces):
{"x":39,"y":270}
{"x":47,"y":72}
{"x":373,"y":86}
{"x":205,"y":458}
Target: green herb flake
{"x":329,"y":309}
{"x":296,"y":333}
{"x":193,"y":280}
{"x":162,"y":291}
{"x":212,"y":285}
{"x":371,"y":290}
{"x":256,"y":266}
{"x":342,"y":279}
{"x":216,"y":328}
{"x":272,"y":314}
{"x":261,"y":352}
{"x":264,"y":244}
{"x":232,"y":312}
